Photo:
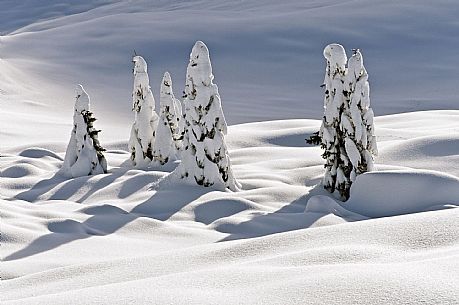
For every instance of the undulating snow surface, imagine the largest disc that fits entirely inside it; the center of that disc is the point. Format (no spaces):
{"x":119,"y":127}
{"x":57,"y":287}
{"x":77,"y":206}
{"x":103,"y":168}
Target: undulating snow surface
{"x":142,"y":236}
{"x":135,"y":236}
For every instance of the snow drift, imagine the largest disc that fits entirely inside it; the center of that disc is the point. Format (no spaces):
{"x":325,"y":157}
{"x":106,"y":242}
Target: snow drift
{"x":389,"y":193}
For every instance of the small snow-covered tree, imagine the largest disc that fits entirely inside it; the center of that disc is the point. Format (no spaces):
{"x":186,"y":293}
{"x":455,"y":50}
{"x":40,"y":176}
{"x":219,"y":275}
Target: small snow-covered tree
{"x":205,"y":158}
{"x":84,"y":155}
{"x":357,"y":118}
{"x":143,"y":131}
{"x":332,"y":138}
{"x":169,"y":132}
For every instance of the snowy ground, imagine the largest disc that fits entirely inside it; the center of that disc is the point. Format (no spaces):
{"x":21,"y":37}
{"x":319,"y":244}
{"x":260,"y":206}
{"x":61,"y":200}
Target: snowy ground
{"x":133,"y":236}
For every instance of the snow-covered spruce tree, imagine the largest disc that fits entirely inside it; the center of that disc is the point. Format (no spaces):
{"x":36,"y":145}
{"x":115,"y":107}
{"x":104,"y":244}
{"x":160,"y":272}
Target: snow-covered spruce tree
{"x":169,"y":133}
{"x":357,"y":118}
{"x":337,"y":166}
{"x":205,"y":158}
{"x":143,"y":131}
{"x":84,"y":155}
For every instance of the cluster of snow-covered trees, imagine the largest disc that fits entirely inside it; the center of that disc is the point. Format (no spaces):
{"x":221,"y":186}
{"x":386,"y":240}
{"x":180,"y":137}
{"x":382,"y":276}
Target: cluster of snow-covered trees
{"x":197,"y":136}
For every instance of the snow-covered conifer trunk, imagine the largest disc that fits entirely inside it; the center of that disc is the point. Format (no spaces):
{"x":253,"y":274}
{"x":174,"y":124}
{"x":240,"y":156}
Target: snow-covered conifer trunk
{"x":143,"y":131}
{"x":357,"y":118}
{"x":205,"y":158}
{"x":84,"y":155}
{"x":337,"y":167}
{"x":170,"y":127}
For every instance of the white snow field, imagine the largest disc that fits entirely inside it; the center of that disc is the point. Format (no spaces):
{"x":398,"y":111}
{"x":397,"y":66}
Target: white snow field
{"x":135,"y":236}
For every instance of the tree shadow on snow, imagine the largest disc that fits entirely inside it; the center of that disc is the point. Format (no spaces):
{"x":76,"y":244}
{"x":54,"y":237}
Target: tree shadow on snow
{"x":107,"y":219}
{"x":166,"y":201}
{"x":41,"y":188}
{"x":70,"y":230}
{"x":66,"y":188}
{"x":288,"y":218}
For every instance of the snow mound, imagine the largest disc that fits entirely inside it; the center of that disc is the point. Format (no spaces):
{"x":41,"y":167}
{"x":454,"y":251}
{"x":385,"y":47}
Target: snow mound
{"x":397,"y":192}
{"x":18,"y":171}
{"x":37,"y":152}
{"x":440,"y":152}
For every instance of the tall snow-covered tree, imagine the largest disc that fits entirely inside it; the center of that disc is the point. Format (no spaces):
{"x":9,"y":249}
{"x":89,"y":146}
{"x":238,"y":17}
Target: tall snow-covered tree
{"x":337,"y":167}
{"x":143,"y":131}
{"x":84,"y":155}
{"x":357,"y":118}
{"x":169,"y":133}
{"x":347,"y":131}
{"x":205,"y":158}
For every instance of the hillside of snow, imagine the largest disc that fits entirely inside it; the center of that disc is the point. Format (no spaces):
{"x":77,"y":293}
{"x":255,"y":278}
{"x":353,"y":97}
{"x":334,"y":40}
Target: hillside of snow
{"x":266,"y":55}
{"x":144,"y":237}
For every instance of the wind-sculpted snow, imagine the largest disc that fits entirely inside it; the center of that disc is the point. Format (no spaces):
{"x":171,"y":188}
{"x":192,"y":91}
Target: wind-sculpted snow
{"x":145,"y":236}
{"x":17,"y":14}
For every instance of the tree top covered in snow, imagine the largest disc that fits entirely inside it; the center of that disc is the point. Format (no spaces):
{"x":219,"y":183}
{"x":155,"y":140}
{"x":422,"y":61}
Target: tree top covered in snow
{"x":200,"y":68}
{"x":82,"y":99}
{"x":355,"y":65}
{"x":166,"y":84}
{"x":336,"y":55}
{"x":140,"y":65}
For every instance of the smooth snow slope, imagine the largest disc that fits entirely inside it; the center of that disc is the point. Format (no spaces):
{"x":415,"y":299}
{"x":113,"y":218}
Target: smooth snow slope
{"x":144,"y":237}
{"x":267,"y":55}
